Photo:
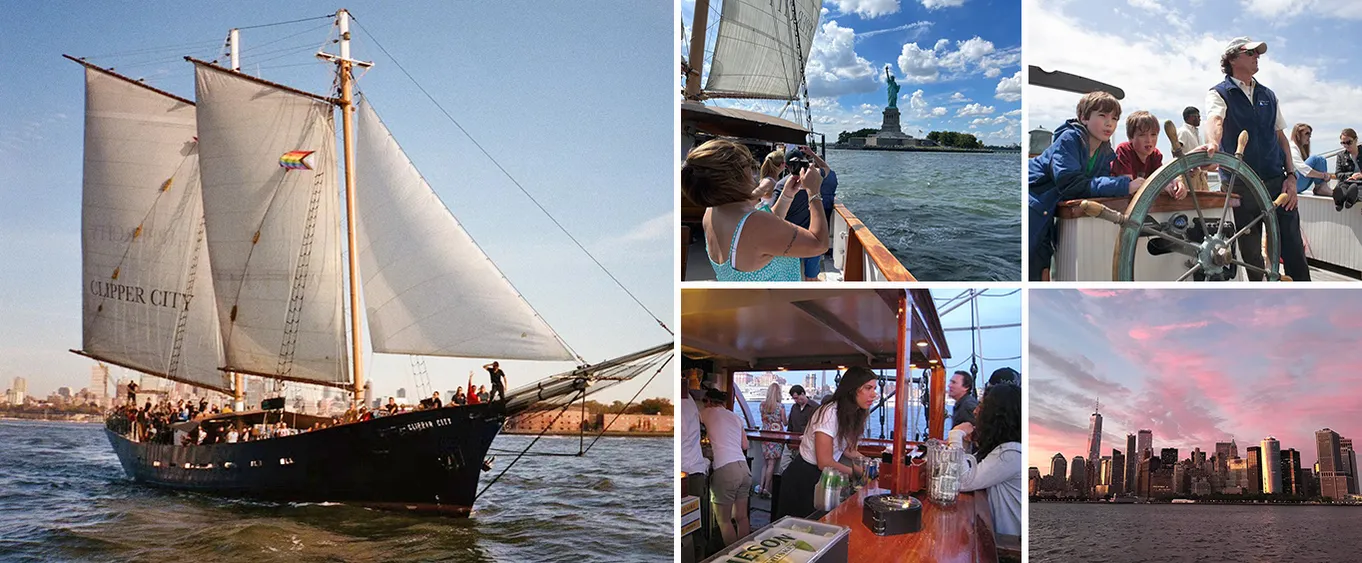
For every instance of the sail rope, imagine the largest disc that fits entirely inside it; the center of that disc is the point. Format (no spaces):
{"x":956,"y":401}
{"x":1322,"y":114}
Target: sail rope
{"x":508,"y":467}
{"x":331,"y":15}
{"x":512,"y":178}
{"x":583,"y":449}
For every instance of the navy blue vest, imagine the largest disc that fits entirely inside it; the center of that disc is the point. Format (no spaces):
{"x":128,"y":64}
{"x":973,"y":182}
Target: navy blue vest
{"x":1259,"y":117}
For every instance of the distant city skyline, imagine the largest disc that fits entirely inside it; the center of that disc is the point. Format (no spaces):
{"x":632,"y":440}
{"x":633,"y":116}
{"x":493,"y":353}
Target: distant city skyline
{"x":1196,"y":368}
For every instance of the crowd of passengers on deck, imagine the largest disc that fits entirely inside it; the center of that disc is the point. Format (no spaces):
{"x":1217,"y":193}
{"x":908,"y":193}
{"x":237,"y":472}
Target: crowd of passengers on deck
{"x":153,"y":423}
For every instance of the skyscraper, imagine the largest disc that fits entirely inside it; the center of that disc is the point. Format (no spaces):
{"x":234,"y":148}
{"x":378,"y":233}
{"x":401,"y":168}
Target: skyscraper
{"x":1253,"y":455}
{"x":1145,"y":443}
{"x":1347,"y":461}
{"x":1333,"y":480}
{"x":1198,"y":458}
{"x":1095,"y":436}
{"x":1169,"y":456}
{"x":1118,"y":472}
{"x":1078,"y":472}
{"x":99,"y":382}
{"x":1132,"y":460}
{"x":1272,"y":467}
{"x":1291,"y":472}
{"x":1222,"y":457}
{"x":1058,"y":467}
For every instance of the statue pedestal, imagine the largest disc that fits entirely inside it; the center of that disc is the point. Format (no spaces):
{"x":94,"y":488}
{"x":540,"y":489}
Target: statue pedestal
{"x":891,"y":121}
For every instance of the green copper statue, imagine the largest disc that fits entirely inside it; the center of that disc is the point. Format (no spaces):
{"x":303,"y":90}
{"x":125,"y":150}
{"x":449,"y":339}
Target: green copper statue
{"x":893,"y":88}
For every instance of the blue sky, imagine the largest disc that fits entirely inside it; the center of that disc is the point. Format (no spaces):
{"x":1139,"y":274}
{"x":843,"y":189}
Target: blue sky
{"x":1166,"y":55}
{"x":1195,"y":367}
{"x":957,"y":63}
{"x":585,"y":126}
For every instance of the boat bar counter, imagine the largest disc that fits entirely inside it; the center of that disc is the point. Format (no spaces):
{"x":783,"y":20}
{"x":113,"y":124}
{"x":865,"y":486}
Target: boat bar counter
{"x":887,"y":515}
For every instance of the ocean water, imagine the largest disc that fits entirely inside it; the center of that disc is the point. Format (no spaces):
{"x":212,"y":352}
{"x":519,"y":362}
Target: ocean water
{"x":1133,"y":533}
{"x":945,"y":216}
{"x":64,"y":497}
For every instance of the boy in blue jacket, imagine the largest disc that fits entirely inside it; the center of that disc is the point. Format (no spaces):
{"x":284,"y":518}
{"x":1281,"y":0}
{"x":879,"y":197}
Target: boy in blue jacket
{"x":1076,"y":165}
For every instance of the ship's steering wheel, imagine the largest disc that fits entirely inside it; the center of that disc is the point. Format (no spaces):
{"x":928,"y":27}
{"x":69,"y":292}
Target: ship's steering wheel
{"x":1210,"y":251}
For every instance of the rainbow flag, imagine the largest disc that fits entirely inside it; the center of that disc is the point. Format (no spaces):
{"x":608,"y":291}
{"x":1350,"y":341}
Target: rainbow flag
{"x":295,"y":160}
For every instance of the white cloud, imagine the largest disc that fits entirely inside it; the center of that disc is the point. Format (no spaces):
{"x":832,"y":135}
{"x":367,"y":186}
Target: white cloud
{"x":1165,"y":71}
{"x":969,"y":50}
{"x":834,"y":68}
{"x":974,"y":109}
{"x":917,"y":64}
{"x":917,"y":102}
{"x":1009,"y":89}
{"x":1277,"y":10}
{"x":937,"y":4}
{"x":958,"y":97}
{"x":916,"y":29}
{"x":652,"y":230}
{"x":972,"y":55}
{"x":866,"y":8}
{"x":938,"y":112}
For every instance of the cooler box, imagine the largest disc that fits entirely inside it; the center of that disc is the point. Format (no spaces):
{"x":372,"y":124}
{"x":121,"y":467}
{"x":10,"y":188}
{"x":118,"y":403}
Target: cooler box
{"x":690,"y":514}
{"x":791,"y":540}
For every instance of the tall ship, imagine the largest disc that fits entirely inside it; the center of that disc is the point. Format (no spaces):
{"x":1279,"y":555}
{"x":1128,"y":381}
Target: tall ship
{"x":215,"y":248}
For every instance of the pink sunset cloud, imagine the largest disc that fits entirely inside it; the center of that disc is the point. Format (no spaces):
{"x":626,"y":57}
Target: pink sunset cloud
{"x":1203,"y":367}
{"x":1160,"y":331}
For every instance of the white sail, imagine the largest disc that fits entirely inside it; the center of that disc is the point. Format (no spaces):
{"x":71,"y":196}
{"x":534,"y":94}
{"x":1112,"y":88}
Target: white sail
{"x":428,"y":288}
{"x":273,"y":231}
{"x":756,"y":53}
{"x":148,"y":295}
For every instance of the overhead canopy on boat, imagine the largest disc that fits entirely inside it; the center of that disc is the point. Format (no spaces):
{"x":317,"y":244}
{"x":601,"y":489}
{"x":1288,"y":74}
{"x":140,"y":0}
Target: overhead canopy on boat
{"x":730,"y":122}
{"x":807,"y":329}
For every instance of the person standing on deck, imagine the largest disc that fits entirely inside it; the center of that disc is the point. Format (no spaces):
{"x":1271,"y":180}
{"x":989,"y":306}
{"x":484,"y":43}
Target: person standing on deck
{"x":798,"y":213}
{"x":694,"y":465}
{"x":1188,"y":135}
{"x":1241,"y":103}
{"x":799,"y":419}
{"x":731,"y":482}
{"x":961,"y":389}
{"x":498,"y":380}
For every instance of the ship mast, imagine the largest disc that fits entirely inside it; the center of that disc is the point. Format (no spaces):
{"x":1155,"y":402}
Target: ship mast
{"x":697,"y":49}
{"x":238,"y":380}
{"x":344,"y":65}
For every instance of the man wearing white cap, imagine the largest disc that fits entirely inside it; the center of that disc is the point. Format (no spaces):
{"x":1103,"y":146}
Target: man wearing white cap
{"x":1241,"y":103}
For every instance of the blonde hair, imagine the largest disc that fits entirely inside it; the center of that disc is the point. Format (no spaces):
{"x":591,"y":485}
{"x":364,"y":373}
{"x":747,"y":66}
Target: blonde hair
{"x":1299,"y":138}
{"x":771,"y":165}
{"x":1098,"y":102}
{"x":772,"y":401}
{"x":1141,"y":121}
{"x":718,"y":172}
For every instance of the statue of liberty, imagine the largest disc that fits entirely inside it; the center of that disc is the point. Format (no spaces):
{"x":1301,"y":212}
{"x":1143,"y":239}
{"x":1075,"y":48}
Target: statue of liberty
{"x":893,"y":88}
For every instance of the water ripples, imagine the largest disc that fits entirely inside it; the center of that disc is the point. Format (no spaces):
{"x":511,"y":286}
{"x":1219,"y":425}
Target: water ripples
{"x":64,"y":497}
{"x":945,"y":216}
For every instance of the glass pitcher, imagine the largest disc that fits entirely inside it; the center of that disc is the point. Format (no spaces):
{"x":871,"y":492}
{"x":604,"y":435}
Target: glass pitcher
{"x":945,"y":465}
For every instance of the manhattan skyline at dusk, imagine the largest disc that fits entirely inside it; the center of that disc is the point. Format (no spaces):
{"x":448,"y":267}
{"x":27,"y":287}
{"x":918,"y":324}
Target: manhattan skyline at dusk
{"x":1195,"y":367}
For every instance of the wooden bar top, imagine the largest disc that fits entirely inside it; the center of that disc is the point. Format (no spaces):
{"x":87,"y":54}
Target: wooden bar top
{"x":959,"y":533}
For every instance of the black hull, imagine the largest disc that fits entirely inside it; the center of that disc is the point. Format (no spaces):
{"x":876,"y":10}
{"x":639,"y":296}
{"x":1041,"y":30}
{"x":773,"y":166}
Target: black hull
{"x":425,"y":461}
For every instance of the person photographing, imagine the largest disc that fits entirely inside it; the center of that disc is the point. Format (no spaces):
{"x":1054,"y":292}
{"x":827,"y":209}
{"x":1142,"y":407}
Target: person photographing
{"x":744,"y":245}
